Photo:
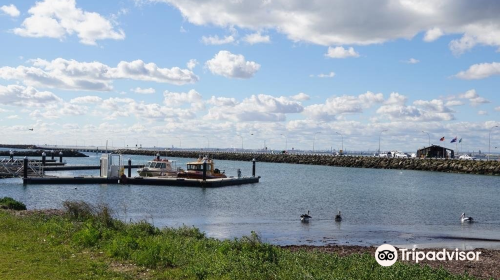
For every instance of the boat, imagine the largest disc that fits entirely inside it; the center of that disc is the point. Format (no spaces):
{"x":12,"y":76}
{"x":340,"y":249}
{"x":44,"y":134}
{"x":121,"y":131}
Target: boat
{"x":158,"y":167}
{"x":194,"y":170}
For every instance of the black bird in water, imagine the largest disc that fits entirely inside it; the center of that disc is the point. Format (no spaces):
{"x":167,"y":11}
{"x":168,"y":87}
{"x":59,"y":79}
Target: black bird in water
{"x":338,"y":217}
{"x":305,"y":217}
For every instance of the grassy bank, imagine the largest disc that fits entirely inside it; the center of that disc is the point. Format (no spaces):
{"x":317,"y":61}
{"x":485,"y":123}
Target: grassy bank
{"x":85,"y":242}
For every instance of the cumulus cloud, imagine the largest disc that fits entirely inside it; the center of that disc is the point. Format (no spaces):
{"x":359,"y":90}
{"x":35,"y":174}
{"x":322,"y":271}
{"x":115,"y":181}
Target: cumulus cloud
{"x":255,"y":108}
{"x":480,"y":71}
{"x":395,"y":109}
{"x":346,"y":104}
{"x":95,"y":76}
{"x":433,"y":34}
{"x":452,"y":103}
{"x":191,"y":64}
{"x":17,"y":95}
{"x":232,"y":65}
{"x":300,"y":97}
{"x":179,"y":98}
{"x":58,"y":18}
{"x":337,"y":22}
{"x":340,"y":52}
{"x":256,"y":38}
{"x":215,"y":40}
{"x":86,"y":100}
{"x":143,"y":90}
{"x":482,"y":113}
{"x":473,"y":97}
{"x":10,"y":10}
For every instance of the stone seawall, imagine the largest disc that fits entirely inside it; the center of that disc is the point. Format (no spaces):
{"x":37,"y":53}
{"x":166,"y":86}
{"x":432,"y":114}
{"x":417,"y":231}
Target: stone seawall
{"x":440,"y":165}
{"x":38,"y":153}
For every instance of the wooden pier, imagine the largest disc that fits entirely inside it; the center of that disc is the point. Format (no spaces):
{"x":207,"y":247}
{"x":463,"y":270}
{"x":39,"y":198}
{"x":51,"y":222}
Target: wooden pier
{"x":156,"y":181}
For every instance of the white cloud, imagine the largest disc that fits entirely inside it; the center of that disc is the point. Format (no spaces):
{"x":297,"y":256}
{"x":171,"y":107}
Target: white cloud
{"x":10,"y":10}
{"x":482,"y":113}
{"x":96,"y":76}
{"x":179,"y":98}
{"x":222,"y":101}
{"x":395,"y":109}
{"x":256,"y":38}
{"x":232,"y":66}
{"x":191,"y":64}
{"x":215,"y":40}
{"x":480,"y":71}
{"x":329,"y":75}
{"x":255,"y":108}
{"x":12,"y":117}
{"x":411,"y":61}
{"x":143,"y":90}
{"x":327,"y":23}
{"x":300,"y":97}
{"x":58,"y":18}
{"x":340,"y":52}
{"x":26,"y":96}
{"x":473,"y":97}
{"x":433,"y":34}
{"x":86,"y":100}
{"x":452,"y":103}
{"x":346,"y":104}
{"x":497,"y":108}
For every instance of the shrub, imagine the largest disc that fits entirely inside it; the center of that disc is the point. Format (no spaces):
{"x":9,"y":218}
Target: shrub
{"x":10,"y":203}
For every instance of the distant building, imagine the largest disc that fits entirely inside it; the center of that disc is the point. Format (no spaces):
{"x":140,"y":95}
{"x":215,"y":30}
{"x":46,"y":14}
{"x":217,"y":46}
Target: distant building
{"x":435,"y":151}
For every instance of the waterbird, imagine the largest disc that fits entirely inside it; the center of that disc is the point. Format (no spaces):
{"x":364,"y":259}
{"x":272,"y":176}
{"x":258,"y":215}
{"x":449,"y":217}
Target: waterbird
{"x":30,"y":129}
{"x":305,"y":217}
{"x":338,"y":217}
{"x":464,"y":219}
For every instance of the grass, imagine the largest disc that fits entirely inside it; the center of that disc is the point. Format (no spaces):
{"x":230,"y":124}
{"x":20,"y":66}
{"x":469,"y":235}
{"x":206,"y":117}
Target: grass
{"x":87,"y":243}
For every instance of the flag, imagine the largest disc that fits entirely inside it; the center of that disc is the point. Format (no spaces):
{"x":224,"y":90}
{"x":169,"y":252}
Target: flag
{"x":442,"y":139}
{"x":454,"y":140}
{"x":460,"y":141}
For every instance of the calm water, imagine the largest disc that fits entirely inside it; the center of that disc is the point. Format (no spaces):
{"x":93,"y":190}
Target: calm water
{"x":403,"y":208}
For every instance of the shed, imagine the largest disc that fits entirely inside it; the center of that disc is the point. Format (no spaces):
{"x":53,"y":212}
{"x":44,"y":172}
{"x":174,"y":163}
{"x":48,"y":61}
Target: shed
{"x":435,"y":151}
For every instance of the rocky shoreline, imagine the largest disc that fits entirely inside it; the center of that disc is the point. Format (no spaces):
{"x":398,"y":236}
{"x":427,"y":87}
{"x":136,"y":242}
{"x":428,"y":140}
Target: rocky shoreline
{"x":439,"y":165}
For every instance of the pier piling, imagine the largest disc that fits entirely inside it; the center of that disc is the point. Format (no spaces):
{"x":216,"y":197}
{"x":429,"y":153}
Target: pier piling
{"x":60,"y":156}
{"x":253,"y":167}
{"x":129,"y":168}
{"x":204,"y":170}
{"x":44,"y":157}
{"x":25,"y":167}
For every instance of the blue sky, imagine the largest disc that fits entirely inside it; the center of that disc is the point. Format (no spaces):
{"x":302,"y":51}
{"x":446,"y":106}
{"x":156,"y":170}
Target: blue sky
{"x":213,"y":73}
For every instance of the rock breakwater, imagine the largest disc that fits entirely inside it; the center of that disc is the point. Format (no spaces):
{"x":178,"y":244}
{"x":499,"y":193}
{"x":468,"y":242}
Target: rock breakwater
{"x":439,"y":165}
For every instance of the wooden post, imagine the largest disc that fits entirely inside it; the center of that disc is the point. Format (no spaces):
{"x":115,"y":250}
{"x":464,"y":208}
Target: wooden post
{"x":60,"y":156}
{"x":204,"y":170}
{"x":25,"y":171}
{"x":129,"y":168}
{"x":44,"y":156}
{"x":253,"y":167}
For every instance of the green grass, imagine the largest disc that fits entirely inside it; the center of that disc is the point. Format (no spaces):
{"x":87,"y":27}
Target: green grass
{"x":88,"y":244}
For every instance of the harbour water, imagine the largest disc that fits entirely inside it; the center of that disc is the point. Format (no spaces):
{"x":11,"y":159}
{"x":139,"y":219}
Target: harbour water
{"x":406,"y":208}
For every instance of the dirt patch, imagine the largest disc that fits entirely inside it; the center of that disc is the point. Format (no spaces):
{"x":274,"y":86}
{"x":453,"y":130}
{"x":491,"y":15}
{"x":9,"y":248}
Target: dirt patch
{"x":488,"y":265}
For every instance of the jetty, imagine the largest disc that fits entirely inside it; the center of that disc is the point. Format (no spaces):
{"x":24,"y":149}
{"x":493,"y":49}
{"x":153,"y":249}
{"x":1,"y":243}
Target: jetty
{"x":112,"y":171}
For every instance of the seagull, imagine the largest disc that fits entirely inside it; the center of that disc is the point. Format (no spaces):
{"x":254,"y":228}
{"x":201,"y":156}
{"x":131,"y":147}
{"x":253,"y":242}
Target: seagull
{"x":305,"y":217}
{"x":466,"y":219}
{"x":338,"y":217}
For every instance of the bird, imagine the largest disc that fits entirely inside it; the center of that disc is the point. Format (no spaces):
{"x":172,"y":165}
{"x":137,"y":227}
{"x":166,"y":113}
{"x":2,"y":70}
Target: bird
{"x":338,"y":217}
{"x":464,"y":219}
{"x":30,"y":129}
{"x":305,"y":217}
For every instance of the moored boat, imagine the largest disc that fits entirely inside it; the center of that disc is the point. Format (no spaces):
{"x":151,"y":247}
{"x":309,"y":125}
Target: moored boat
{"x":194,"y":170}
{"x":158,"y":167}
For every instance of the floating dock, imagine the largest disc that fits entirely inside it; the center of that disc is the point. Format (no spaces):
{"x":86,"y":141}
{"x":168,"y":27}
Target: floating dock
{"x":156,"y":181}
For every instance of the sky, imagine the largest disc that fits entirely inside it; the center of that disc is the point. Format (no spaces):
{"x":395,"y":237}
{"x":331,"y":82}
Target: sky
{"x":280,"y":74}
